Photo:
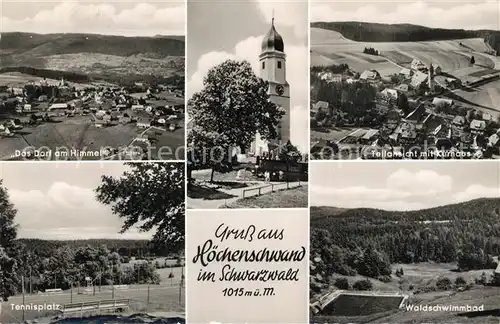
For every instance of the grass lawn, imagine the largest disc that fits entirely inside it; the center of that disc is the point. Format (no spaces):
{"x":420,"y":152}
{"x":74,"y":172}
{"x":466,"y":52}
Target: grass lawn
{"x":293,"y":198}
{"x":214,"y":191}
{"x":204,"y":175}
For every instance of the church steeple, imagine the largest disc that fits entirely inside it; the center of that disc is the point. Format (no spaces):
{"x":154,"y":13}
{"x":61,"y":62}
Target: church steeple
{"x":273,"y":40}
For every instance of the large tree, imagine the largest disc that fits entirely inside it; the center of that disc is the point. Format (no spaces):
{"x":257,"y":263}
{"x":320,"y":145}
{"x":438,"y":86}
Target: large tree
{"x":231,"y":108}
{"x":9,"y":267}
{"x":290,"y":153}
{"x":151,"y":197}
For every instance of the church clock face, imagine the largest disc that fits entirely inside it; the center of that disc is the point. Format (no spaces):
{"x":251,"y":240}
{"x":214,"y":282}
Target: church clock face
{"x":280,"y":90}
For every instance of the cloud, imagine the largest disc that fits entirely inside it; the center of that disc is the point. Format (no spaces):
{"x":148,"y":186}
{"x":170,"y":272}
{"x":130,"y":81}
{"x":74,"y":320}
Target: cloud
{"x":144,"y":19}
{"x":403,"y":190}
{"x":424,"y":182}
{"x":297,"y":76}
{"x":65,"y":212}
{"x":477,"y":191}
{"x":457,"y":15}
{"x":286,"y":14}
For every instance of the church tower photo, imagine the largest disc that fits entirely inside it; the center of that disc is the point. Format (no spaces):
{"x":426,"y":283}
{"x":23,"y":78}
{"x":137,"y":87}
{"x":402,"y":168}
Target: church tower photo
{"x":272,"y":68}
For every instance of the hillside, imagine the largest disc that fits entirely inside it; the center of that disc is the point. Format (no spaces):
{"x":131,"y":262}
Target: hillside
{"x":434,"y":234}
{"x":373,"y":32}
{"x":53,"y":44}
{"x":101,"y":56}
{"x":470,"y":210}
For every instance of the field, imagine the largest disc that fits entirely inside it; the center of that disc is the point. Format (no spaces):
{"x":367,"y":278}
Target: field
{"x":292,"y":198}
{"x":330,"y":47}
{"x":163,"y":297}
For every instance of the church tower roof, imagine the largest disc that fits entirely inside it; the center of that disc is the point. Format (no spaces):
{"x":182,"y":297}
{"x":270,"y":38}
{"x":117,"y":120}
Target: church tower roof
{"x":273,"y":40}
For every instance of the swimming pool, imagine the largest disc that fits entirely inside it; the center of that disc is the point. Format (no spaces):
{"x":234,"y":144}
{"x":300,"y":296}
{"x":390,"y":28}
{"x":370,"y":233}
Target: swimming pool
{"x":117,"y":319}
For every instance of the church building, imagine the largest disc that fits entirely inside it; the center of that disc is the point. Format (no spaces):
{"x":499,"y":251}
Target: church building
{"x":272,"y":68}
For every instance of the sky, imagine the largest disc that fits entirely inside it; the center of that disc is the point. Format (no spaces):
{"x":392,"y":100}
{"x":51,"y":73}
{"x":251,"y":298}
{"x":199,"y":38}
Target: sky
{"x":125,"y":18}
{"x":221,"y":30}
{"x":402,"y":185}
{"x":441,"y":14}
{"x":56,"y":201}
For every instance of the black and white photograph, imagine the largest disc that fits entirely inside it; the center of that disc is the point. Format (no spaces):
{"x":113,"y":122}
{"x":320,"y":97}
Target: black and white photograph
{"x":92,"y":80}
{"x":405,"y":80}
{"x":414,"y":242}
{"x":247,"y":91}
{"x":92,"y":243}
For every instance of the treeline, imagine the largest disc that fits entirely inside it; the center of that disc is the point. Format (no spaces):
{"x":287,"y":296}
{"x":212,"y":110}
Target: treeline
{"x":370,"y":51}
{"x":140,"y":249}
{"x":49,"y":74}
{"x":355,"y":100}
{"x":53,"y":44}
{"x":367,"y":241}
{"x":373,"y":32}
{"x":68,"y":267}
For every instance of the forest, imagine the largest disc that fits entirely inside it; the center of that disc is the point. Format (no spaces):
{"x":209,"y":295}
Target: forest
{"x":367,"y":241}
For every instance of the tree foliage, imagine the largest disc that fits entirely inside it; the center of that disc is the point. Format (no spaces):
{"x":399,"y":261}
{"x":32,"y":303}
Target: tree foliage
{"x":9,"y":248}
{"x":228,"y":112}
{"x":150,"y":196}
{"x":290,"y":153}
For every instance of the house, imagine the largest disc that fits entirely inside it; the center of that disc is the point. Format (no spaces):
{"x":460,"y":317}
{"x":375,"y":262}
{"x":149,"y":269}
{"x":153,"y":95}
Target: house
{"x":137,"y":107}
{"x":143,"y":122}
{"x":417,"y":65}
{"x":106,"y":118}
{"x":320,"y":105}
{"x":99,"y":123}
{"x":402,"y":88}
{"x":418,"y":79}
{"x":440,"y":101}
{"x":487,"y":117}
{"x":437,"y":69}
{"x":393,"y":118}
{"x":369,"y":136}
{"x":370,"y":75}
{"x":493,"y":140}
{"x":125,"y":119}
{"x":27,"y":108}
{"x":58,"y":106}
{"x":459,"y":121}
{"x":407,"y":73}
{"x":477,"y":126}
{"x":390,"y":93}
{"x":406,"y":131}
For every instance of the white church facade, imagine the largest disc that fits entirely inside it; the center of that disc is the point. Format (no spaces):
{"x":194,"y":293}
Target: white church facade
{"x":272,"y":68}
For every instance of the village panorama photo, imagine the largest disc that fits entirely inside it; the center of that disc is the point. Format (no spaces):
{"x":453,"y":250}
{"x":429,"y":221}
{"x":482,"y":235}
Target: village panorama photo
{"x":92,"y":80}
{"x":412,"y":80}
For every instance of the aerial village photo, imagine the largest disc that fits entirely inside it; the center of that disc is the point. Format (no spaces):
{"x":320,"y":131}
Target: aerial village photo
{"x":405,"y":242}
{"x":102,"y":81}
{"x":413,"y":80}
{"x":247,"y":132}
